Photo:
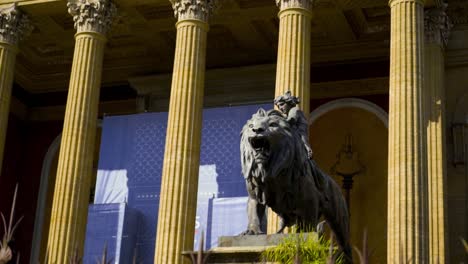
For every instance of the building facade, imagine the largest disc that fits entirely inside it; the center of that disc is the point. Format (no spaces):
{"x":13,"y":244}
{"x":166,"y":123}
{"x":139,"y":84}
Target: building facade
{"x":384,"y":81}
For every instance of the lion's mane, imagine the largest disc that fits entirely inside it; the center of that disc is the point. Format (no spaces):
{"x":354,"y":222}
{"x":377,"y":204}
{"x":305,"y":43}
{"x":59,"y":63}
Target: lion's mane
{"x":278,"y":159}
{"x":287,"y":156}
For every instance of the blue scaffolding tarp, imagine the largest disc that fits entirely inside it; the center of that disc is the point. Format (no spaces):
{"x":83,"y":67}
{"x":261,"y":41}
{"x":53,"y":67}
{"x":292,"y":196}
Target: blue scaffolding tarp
{"x":129,"y":172}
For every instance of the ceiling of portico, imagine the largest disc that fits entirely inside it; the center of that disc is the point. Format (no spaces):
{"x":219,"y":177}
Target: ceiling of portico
{"x":242,"y":32}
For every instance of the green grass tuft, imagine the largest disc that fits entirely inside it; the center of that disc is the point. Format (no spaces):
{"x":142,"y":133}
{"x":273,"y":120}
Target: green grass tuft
{"x":302,"y":248}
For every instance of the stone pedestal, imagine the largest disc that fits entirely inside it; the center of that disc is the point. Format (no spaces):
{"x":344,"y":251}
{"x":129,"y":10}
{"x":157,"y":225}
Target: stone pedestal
{"x":233,"y":255}
{"x":241,"y":249}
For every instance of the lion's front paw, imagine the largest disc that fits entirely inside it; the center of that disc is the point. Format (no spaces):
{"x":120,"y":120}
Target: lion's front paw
{"x":247,"y":232}
{"x":250,"y":232}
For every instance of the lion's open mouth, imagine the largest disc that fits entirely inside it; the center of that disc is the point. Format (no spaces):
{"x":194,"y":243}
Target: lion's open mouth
{"x":261,"y":145}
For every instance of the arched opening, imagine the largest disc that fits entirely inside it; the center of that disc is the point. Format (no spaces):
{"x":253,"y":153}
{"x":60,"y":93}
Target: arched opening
{"x":46,"y":195}
{"x":44,"y":201}
{"x":362,"y":125}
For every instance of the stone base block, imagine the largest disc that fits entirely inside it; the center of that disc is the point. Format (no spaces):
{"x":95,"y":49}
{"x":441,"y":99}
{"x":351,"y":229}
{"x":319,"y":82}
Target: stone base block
{"x":240,"y":249}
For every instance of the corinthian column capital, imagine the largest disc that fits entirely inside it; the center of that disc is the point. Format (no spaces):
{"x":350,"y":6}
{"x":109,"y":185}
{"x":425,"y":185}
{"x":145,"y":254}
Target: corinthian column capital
{"x":14,"y":25}
{"x":305,"y":4}
{"x":92,"y":15}
{"x":437,"y":26}
{"x":194,"y":9}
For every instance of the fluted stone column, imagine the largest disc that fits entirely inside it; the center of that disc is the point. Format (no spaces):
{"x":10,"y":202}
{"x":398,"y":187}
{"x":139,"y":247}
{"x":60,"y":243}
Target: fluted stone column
{"x":407,"y":231}
{"x":13,"y":26}
{"x":437,"y":26}
{"x":178,"y":199}
{"x":293,"y":63}
{"x":72,"y":186}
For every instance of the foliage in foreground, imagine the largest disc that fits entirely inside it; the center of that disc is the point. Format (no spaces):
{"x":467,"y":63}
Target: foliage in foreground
{"x":8,"y":231}
{"x":303,"y":248}
{"x":201,"y":257}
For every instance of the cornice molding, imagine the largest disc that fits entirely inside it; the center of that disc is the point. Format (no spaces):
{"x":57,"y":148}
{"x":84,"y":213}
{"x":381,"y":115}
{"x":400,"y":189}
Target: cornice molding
{"x":358,"y":87}
{"x":194,"y":9}
{"x":457,"y":58}
{"x":262,"y":77}
{"x":14,"y":25}
{"x":92,"y":15}
{"x":437,"y":26}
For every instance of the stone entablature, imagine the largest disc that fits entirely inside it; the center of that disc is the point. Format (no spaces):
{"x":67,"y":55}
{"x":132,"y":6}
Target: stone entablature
{"x":437,"y":26}
{"x":92,"y":15}
{"x":14,"y":25}
{"x":194,"y":9}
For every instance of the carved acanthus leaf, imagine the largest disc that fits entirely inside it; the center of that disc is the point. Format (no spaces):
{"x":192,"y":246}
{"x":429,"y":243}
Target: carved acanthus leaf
{"x":92,"y":15}
{"x":14,"y":25}
{"x":306,"y":4}
{"x":437,"y":26}
{"x":194,"y":9}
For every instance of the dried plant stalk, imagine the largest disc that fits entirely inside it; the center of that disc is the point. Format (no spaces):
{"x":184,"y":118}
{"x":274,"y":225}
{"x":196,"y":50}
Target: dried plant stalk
{"x":9,"y":230}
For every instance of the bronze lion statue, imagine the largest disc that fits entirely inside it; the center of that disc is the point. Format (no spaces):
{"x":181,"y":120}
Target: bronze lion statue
{"x":280,"y":175}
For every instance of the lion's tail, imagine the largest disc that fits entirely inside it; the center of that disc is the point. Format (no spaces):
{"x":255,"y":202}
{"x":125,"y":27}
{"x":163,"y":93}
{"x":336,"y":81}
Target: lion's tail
{"x":335,"y":212}
{"x":340,"y":228}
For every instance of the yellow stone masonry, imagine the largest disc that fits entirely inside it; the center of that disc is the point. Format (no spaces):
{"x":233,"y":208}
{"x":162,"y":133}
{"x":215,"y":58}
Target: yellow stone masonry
{"x":437,"y":27}
{"x":177,"y":206}
{"x":436,"y":152}
{"x":14,"y":26}
{"x":72,"y":186}
{"x":7,"y":69}
{"x":293,"y":64}
{"x":75,"y":163}
{"x":407,"y":236}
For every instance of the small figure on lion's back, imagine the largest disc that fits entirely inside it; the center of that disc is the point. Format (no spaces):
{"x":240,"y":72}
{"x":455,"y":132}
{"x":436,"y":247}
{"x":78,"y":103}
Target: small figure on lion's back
{"x":287,"y":104}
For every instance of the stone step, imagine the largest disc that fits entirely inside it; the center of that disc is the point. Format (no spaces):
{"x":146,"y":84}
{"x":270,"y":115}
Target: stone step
{"x":242,"y":249}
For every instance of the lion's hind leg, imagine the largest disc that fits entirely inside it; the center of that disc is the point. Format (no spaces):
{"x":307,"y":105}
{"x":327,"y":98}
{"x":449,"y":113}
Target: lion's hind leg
{"x":283,"y":225}
{"x":284,"y":222}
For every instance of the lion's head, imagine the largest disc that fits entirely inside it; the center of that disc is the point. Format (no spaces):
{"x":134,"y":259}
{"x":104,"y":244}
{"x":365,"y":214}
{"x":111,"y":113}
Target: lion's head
{"x":268,"y":145}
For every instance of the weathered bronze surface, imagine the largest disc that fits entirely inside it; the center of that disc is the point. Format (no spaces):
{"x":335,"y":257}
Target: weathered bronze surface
{"x":280,"y":175}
